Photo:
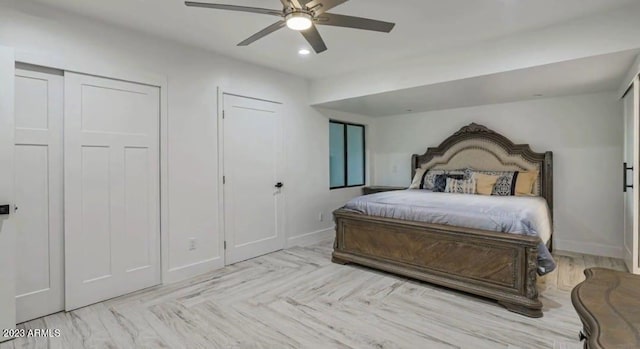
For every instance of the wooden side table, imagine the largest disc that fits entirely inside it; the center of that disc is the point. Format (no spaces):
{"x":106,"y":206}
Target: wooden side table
{"x":608,"y":303}
{"x":379,"y":189}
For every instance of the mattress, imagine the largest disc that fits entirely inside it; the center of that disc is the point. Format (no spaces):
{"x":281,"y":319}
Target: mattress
{"x":522,"y":215}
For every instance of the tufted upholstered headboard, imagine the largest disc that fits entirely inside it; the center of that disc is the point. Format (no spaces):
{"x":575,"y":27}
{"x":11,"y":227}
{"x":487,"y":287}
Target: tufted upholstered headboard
{"x":480,"y":148}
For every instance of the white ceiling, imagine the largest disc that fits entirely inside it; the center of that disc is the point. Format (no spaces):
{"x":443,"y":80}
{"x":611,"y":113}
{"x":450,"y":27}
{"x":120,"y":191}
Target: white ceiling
{"x":587,"y":75}
{"x":422,"y":26}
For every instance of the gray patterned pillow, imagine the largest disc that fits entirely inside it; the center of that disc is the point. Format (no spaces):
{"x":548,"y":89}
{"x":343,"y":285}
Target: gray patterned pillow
{"x":440,"y":183}
{"x":462,"y":186}
{"x":468,"y":172}
{"x":429,"y":177}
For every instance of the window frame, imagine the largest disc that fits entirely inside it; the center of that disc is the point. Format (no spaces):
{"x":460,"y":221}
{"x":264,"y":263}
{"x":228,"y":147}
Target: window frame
{"x":346,"y":155}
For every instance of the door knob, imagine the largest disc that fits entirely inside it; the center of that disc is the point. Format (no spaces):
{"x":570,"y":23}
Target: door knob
{"x":279,"y":185}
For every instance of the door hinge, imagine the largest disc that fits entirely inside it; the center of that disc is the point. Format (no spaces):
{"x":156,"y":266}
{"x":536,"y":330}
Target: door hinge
{"x":223,"y":114}
{"x":225,"y":245}
{"x":224,"y":179}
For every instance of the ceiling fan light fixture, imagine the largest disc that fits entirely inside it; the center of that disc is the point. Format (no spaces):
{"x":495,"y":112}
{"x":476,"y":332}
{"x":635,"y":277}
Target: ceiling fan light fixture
{"x":302,"y":16}
{"x":298,"y":21}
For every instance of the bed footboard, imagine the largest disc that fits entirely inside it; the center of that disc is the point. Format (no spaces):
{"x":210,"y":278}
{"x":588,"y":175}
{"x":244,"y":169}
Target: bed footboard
{"x":498,"y":266}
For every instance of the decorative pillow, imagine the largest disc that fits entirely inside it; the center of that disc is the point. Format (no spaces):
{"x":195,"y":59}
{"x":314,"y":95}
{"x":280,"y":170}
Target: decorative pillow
{"x":440,"y":181}
{"x":462,"y":186}
{"x":468,"y":172}
{"x":484,"y":183}
{"x":428,"y":180}
{"x":505,"y":185}
{"x":525,"y":182}
{"x":417,"y":178}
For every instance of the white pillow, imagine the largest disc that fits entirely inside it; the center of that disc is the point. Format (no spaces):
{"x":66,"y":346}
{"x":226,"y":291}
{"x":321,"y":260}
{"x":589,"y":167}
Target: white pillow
{"x":415,"y":184}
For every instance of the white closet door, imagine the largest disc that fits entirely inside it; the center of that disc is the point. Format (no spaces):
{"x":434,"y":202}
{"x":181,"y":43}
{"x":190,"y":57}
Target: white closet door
{"x":7,"y":236}
{"x":112,"y":211}
{"x":38,"y":194}
{"x":632,"y":158}
{"x":252,"y":162}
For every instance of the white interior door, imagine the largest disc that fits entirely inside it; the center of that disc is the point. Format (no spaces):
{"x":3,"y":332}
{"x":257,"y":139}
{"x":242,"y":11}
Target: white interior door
{"x":631,"y":195}
{"x":7,"y":233}
{"x":112,"y":210}
{"x":252,"y":162}
{"x":38,"y":194}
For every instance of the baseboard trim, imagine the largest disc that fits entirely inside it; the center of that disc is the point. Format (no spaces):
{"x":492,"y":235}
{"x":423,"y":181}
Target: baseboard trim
{"x":310,"y":238}
{"x":588,"y":248}
{"x":184,"y":272}
{"x":194,"y":269}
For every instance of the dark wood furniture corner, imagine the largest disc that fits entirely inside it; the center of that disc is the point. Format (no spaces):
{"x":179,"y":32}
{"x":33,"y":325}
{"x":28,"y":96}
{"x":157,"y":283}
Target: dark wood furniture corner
{"x":379,"y":189}
{"x":608,"y":304}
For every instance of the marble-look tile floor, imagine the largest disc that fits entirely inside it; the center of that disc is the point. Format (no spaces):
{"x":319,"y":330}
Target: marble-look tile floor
{"x":296,"y":298}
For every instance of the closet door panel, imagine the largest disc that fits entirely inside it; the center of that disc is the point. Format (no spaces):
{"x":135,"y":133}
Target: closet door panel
{"x":631,"y":170}
{"x":32,"y":191}
{"x":7,"y":231}
{"x":38,"y":193}
{"x":112,"y":192}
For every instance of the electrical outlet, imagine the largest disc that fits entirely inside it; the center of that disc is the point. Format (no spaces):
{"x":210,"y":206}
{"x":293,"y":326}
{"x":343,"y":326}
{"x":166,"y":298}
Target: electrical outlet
{"x":321,"y":217}
{"x":192,"y":244}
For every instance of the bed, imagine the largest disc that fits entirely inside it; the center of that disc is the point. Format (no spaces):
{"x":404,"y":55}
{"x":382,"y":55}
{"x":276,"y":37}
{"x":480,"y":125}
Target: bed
{"x":492,"y":264}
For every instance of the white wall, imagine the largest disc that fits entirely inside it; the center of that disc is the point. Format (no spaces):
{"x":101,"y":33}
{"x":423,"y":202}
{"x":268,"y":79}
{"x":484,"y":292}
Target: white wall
{"x":627,"y":81}
{"x":313,"y":164}
{"x":193,"y":75}
{"x":584,"y":132}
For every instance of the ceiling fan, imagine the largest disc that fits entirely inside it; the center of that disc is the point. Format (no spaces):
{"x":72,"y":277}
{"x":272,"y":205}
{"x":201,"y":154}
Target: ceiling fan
{"x":303,"y":16}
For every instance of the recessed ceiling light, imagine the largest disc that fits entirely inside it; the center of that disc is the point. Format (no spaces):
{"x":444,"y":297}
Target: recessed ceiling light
{"x":304,"y":52}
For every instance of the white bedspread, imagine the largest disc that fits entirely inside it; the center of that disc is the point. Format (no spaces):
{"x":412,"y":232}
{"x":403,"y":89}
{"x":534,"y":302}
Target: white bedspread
{"x":507,"y":214}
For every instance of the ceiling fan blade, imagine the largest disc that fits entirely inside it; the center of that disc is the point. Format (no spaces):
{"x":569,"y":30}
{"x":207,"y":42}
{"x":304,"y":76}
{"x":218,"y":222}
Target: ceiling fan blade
{"x":294,"y":3}
{"x":287,"y":4}
{"x":315,"y":40}
{"x":264,"y":11}
{"x":354,"y":22}
{"x":321,"y":6}
{"x":264,"y":32}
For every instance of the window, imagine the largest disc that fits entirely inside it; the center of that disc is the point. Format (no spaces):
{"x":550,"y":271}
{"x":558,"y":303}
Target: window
{"x":346,"y":155}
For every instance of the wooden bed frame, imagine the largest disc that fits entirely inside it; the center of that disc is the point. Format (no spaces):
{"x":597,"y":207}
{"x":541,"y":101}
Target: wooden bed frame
{"x":495,"y":265}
